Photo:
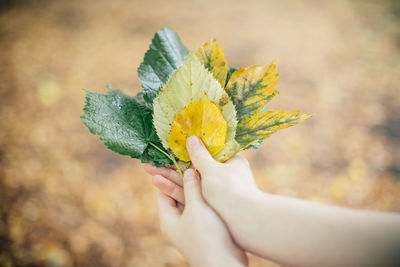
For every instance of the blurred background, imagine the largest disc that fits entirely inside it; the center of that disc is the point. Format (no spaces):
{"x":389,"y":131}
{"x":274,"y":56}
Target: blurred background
{"x":67,"y":200}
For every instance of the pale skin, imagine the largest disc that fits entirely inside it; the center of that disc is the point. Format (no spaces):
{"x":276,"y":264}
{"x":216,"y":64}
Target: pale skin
{"x":286,"y":230}
{"x":197,"y":231}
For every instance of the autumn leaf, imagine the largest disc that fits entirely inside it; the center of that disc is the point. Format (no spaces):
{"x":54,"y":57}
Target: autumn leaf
{"x":212,"y":57}
{"x":200,"y":118}
{"x":261,"y":125}
{"x":250,"y":89}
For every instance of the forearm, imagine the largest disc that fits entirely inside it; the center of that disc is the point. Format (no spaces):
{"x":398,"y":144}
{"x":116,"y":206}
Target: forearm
{"x":216,"y":257}
{"x":302,"y":233}
{"x":215,"y":262}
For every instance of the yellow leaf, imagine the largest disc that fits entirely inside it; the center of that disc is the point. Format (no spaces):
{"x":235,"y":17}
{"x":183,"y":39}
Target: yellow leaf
{"x":212,"y":57}
{"x":187,"y":85}
{"x":262,"y":125}
{"x":203,"y":119}
{"x":251,"y":88}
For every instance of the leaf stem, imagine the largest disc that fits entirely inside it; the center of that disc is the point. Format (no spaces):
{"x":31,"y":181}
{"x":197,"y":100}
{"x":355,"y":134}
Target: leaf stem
{"x":171,"y":157}
{"x":187,"y":166}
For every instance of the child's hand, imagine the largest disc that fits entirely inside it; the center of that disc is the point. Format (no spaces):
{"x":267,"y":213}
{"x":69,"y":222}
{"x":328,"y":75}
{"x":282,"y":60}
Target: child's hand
{"x":220,"y":181}
{"x":167,"y":181}
{"x":198,"y":232}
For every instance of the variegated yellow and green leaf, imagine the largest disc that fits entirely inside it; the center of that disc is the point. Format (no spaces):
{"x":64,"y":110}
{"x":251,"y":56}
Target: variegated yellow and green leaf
{"x":251,"y":88}
{"x":261,"y":125}
{"x":231,"y":148}
{"x":212,"y":57}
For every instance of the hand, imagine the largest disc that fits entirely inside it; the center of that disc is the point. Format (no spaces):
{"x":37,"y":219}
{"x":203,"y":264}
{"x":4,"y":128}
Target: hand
{"x":168,"y":181}
{"x":220,"y":181}
{"x":197,"y":232}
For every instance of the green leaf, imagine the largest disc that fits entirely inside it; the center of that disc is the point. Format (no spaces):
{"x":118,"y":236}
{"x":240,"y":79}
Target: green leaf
{"x":154,"y":157}
{"x":124,"y":124}
{"x":166,"y":53}
{"x":144,"y":101}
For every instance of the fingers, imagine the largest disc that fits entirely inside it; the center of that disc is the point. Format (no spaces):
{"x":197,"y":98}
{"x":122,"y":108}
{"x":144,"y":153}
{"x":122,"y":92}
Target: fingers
{"x":168,"y":211}
{"x":192,"y":188}
{"x":166,"y":203}
{"x":199,"y":155}
{"x":169,"y":188}
{"x":168,"y":173}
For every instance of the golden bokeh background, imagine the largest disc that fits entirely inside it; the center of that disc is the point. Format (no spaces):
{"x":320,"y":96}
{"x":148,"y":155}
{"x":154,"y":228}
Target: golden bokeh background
{"x":66,"y":200}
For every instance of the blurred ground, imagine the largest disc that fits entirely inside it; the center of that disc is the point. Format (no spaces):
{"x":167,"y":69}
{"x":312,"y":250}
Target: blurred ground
{"x":67,"y":200}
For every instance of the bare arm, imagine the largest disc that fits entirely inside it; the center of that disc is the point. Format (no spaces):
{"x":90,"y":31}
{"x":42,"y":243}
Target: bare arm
{"x":302,"y":233}
{"x":291,"y":231}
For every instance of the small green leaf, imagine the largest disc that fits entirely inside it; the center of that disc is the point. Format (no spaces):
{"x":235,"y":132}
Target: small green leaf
{"x":166,"y":53}
{"x":231,"y":70}
{"x":124,"y":124}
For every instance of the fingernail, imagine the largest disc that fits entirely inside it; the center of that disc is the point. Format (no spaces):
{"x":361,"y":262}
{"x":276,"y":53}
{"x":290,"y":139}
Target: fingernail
{"x":193,"y":142}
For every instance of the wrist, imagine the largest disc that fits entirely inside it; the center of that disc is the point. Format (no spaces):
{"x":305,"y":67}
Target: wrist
{"x":238,"y":209}
{"x":220,"y":193}
{"x":234,"y":199}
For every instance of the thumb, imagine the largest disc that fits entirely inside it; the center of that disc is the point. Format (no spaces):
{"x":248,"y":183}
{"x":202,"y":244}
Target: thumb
{"x":191,"y":188}
{"x":199,"y":155}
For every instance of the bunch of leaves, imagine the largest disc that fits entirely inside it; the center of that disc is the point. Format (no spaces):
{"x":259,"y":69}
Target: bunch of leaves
{"x":124,"y":123}
{"x":250,"y":89}
{"x":154,"y":125}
